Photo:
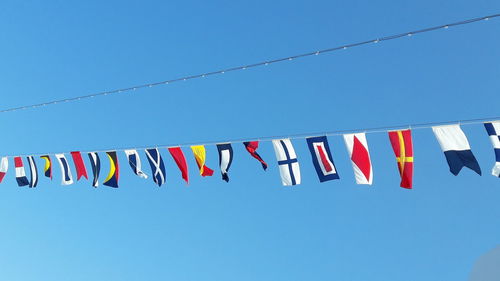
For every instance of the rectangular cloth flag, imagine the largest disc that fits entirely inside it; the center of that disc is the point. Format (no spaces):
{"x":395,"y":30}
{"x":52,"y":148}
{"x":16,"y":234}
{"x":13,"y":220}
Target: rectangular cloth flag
{"x":493,"y":129}
{"x":403,"y":149}
{"x":180,"y":160}
{"x":157,"y":166}
{"x":456,"y":148}
{"x":322,"y":158}
{"x":95,"y":163}
{"x":287,"y":161}
{"x":200,"y":157}
{"x":114,"y":170}
{"x":33,"y":172}
{"x":21,"y":178}
{"x":79,"y":165}
{"x":225,"y":159}
{"x":66,"y":177}
{"x":357,"y":146}
{"x":4,"y":166}
{"x":47,"y":170}
{"x":251,"y":147}
{"x":135,"y":162}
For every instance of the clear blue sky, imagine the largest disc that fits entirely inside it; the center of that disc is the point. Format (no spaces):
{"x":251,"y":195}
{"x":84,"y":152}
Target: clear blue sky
{"x":251,"y":228}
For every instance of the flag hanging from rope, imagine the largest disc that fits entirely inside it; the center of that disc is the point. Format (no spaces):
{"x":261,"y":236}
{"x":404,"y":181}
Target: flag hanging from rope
{"x":493,"y":129}
{"x":21,"y":178}
{"x":287,"y":161}
{"x":33,"y":171}
{"x":251,"y":147}
{"x":180,"y":160}
{"x":47,"y":170}
{"x":357,"y":146}
{"x":4,"y":166}
{"x":225,"y":159}
{"x":200,"y":157}
{"x":79,"y":165}
{"x":322,"y":158}
{"x":403,"y":149}
{"x":157,"y":166}
{"x":114,"y":170}
{"x":66,"y":177}
{"x":135,"y":162}
{"x":95,"y":164}
{"x":456,"y":148}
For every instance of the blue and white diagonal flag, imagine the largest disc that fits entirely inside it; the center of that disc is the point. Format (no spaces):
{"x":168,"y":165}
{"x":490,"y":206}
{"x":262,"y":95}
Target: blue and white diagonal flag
{"x":157,"y":166}
{"x":456,"y":148}
{"x":135,"y":162}
{"x":493,"y":129}
{"x":287,"y":161}
{"x":33,"y":172}
{"x":66,"y":177}
{"x":225,"y":159}
{"x":95,"y":162}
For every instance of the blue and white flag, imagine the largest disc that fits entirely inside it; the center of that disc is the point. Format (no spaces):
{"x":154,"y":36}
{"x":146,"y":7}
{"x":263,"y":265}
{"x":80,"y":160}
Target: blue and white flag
{"x":157,"y":166}
{"x":66,"y":177}
{"x":456,"y":148}
{"x":225,"y":159}
{"x":33,"y":172}
{"x":287,"y":161}
{"x":322,"y":158}
{"x":21,"y":178}
{"x":95,"y":163}
{"x":135,"y":162}
{"x":493,"y":129}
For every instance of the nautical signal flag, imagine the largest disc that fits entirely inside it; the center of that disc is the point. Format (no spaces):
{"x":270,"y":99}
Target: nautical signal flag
{"x":47,"y":170}
{"x":180,"y":160}
{"x":322,"y":158}
{"x":251,"y":147}
{"x":157,"y":166}
{"x":403,"y":149}
{"x":225,"y":159}
{"x":456,"y":148}
{"x":287,"y":161}
{"x":200,"y":157}
{"x":95,"y":163}
{"x":114,"y":170}
{"x":134,"y":161}
{"x":33,"y":171}
{"x":66,"y":177}
{"x":21,"y":178}
{"x":79,"y":165}
{"x":493,"y":129}
{"x":357,"y":146}
{"x":4,"y":166}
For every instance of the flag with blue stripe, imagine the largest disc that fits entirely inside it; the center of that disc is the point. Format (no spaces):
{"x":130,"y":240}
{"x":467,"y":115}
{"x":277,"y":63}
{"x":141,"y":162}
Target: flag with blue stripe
{"x":287,"y":161}
{"x":493,"y":129}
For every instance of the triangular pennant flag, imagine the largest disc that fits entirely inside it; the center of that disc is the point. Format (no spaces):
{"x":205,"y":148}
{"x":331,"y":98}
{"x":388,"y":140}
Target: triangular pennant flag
{"x":180,"y":160}
{"x":287,"y":161}
{"x":114,"y":170}
{"x":322,"y":158}
{"x":135,"y":162}
{"x":456,"y":148}
{"x":200,"y":156}
{"x":79,"y":165}
{"x":225,"y":159}
{"x":403,"y":149}
{"x":357,"y":147}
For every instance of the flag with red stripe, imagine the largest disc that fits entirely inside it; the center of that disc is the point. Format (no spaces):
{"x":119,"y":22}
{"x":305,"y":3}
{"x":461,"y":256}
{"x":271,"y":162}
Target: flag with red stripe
{"x":322,"y":158}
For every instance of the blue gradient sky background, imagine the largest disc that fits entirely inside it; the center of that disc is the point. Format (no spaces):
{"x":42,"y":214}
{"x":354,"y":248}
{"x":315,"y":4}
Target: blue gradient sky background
{"x":252,"y":228}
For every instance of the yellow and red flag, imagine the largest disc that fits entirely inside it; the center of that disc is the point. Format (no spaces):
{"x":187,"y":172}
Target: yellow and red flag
{"x":403,"y":149}
{"x":200,"y":156}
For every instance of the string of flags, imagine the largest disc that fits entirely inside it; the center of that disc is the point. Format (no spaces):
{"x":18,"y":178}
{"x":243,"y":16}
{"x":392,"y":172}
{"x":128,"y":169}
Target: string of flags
{"x":451,"y":138}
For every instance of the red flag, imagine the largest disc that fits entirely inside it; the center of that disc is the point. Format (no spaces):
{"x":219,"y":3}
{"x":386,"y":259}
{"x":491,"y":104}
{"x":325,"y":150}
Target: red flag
{"x":403,"y":149}
{"x":251,"y":147}
{"x":79,"y":165}
{"x":180,"y":160}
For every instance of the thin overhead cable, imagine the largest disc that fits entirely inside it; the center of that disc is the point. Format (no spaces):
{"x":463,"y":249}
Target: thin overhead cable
{"x":262,"y":63}
{"x":384,"y":129}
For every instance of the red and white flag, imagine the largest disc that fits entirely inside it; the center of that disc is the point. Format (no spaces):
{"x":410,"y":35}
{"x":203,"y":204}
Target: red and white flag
{"x":357,"y":147}
{"x":4,"y":166}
